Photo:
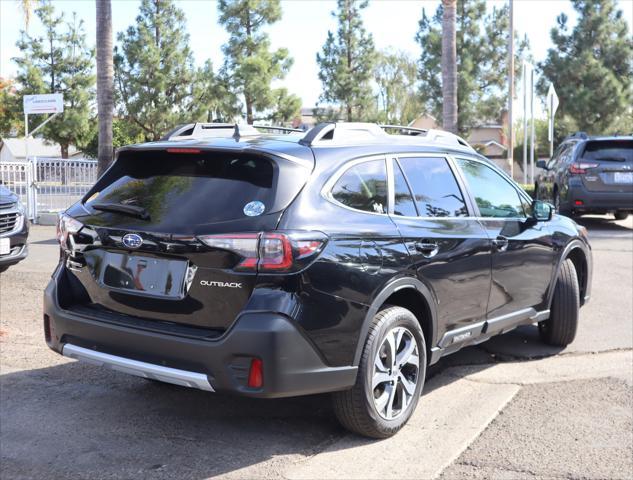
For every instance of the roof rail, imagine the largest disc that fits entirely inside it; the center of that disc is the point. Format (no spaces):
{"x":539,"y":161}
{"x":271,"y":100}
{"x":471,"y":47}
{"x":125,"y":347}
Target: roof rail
{"x":325,"y":133}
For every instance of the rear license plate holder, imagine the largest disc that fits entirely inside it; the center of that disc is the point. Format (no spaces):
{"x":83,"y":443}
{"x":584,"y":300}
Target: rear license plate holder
{"x":623,"y":177}
{"x":141,"y":275}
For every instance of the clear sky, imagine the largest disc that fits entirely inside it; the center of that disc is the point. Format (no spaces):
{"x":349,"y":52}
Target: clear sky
{"x":302,"y":29}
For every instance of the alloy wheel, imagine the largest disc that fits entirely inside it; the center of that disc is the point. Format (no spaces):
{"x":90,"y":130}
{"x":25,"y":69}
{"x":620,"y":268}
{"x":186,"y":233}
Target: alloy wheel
{"x":395,"y":373}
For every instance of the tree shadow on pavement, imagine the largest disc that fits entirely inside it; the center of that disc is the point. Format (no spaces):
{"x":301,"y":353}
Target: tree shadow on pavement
{"x":79,"y":421}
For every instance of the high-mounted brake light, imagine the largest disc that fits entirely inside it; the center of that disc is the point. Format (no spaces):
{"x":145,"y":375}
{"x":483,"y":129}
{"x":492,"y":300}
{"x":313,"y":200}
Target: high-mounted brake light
{"x":581,"y":167}
{"x":269,"y":251}
{"x":183,"y":150}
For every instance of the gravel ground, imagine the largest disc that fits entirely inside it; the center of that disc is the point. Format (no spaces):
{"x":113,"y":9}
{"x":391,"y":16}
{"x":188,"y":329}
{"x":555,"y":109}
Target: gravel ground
{"x":592,"y":420}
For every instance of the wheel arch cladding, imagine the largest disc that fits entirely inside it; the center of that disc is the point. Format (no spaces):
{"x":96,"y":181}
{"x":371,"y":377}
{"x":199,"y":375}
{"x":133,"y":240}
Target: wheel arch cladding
{"x":578,"y":253}
{"x":579,"y":259}
{"x":407,"y":293}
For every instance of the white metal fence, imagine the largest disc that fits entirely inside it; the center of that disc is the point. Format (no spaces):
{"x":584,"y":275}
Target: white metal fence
{"x":48,"y":184}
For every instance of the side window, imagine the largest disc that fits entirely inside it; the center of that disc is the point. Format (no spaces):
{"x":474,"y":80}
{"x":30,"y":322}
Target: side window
{"x":556,"y":156}
{"x":403,"y":201}
{"x":434,"y":187}
{"x":363,"y":187}
{"x":494,"y":195}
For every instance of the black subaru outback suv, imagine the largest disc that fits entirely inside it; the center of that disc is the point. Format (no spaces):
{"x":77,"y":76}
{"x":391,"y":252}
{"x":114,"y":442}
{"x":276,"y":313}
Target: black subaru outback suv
{"x":343,"y":260}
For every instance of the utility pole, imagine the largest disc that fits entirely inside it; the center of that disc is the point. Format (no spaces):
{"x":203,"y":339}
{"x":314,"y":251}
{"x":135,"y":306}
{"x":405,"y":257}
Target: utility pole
{"x":511,"y":90}
{"x":525,"y":121}
{"x":532,"y":127}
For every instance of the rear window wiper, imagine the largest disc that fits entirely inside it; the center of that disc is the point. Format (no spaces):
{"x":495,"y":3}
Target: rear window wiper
{"x":611,"y":159}
{"x":131,"y":210}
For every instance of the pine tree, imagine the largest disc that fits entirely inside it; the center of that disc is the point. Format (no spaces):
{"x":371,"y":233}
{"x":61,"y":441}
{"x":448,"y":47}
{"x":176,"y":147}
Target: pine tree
{"x":481,"y":55}
{"x":347,"y":62}
{"x":155,"y":78}
{"x":592,"y":69}
{"x":249,"y":62}
{"x":59,"y":62}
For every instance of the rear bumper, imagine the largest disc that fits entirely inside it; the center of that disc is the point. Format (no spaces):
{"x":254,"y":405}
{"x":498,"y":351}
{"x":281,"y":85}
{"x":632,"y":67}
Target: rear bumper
{"x":598,"y":202}
{"x":292,"y":367}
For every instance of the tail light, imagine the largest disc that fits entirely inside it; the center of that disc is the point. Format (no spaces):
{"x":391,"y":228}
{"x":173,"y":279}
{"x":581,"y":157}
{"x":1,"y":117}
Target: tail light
{"x":66,"y":226}
{"x":270,"y":252}
{"x":580,"y":167}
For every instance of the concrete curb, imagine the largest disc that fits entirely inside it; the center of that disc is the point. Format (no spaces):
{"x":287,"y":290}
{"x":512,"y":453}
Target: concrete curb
{"x":456,"y":407}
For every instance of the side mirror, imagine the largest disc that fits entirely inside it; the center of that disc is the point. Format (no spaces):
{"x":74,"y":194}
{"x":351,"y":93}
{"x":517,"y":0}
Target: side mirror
{"x":541,"y":164}
{"x":542,"y":211}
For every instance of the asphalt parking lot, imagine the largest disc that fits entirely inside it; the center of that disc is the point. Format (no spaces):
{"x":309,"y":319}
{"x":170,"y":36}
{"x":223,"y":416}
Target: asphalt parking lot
{"x":509,"y":408}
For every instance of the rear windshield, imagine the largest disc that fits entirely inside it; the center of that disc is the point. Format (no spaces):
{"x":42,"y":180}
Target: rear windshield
{"x":196,"y":189}
{"x":609,"y":151}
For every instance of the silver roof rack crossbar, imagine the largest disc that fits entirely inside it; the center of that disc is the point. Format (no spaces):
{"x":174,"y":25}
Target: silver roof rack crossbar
{"x":342,"y":133}
{"x":272,"y":128}
{"x":199,"y":130}
{"x":402,"y":128}
{"x":349,"y":133}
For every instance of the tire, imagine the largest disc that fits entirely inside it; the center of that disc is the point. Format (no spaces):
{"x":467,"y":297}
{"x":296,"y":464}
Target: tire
{"x":3,"y":269}
{"x":621,"y":215}
{"x":560,"y":329}
{"x":359,"y":409}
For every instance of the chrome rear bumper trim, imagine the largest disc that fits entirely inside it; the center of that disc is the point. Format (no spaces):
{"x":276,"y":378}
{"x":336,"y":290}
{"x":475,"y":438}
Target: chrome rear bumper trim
{"x":140,"y":369}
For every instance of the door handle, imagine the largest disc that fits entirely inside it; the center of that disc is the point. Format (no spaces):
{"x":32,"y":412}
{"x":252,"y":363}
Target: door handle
{"x":427,"y":249}
{"x":501,"y":243}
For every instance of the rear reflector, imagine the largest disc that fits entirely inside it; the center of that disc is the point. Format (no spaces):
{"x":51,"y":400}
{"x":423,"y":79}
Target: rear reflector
{"x":579,"y":203}
{"x":256,"y":374}
{"x":47,"y":328}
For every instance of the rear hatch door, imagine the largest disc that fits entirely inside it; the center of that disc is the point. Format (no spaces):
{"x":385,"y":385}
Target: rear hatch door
{"x":139,"y":251}
{"x":608,"y":165}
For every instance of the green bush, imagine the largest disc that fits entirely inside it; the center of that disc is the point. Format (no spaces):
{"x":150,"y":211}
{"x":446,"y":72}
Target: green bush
{"x":529,"y":189}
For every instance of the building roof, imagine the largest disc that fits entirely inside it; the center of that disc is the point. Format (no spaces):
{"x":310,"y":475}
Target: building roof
{"x":492,"y":142}
{"x":38,"y":147}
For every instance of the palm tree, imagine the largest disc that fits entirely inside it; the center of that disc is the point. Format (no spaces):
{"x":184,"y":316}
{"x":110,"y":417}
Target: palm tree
{"x":449,"y":66}
{"x":27,"y":10}
{"x":105,"y":83}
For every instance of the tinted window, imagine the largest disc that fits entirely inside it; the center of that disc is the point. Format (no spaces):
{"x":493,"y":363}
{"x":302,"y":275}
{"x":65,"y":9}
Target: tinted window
{"x":363,"y":187}
{"x":609,"y":151}
{"x":434,"y":186}
{"x":182,"y":191}
{"x":403,"y":201}
{"x":494,"y":195}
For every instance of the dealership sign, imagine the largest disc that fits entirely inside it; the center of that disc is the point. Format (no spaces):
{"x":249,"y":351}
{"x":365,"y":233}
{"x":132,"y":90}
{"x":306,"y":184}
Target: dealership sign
{"x":46,"y":103}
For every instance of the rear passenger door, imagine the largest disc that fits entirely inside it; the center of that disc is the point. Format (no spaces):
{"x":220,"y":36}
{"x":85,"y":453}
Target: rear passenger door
{"x":449,"y":249}
{"x":523,"y":250}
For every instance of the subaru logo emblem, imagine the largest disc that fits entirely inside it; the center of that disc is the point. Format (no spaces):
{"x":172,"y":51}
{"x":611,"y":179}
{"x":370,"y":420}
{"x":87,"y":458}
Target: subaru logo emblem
{"x":132,"y":240}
